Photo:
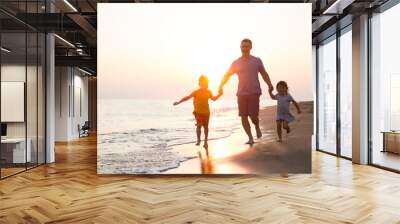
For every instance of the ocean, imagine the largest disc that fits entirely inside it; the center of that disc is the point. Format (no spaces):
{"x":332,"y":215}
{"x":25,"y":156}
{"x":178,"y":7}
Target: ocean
{"x":135,"y":136}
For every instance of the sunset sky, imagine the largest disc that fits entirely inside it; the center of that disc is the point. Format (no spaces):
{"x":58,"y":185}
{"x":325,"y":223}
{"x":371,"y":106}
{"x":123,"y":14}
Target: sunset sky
{"x":158,"y":51}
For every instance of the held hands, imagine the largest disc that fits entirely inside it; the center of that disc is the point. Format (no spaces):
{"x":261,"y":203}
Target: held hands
{"x":270,"y":88}
{"x":220,"y":92}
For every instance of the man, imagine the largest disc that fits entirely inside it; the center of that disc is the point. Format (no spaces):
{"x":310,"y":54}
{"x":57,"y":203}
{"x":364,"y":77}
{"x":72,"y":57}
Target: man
{"x":247,"y":68}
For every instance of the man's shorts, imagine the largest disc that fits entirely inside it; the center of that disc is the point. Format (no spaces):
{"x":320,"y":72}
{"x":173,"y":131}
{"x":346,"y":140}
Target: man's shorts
{"x":201,"y":119}
{"x":249,"y":105}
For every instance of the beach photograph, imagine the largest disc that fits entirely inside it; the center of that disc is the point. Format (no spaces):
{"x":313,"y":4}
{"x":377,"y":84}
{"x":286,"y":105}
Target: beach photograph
{"x":204,"y":89}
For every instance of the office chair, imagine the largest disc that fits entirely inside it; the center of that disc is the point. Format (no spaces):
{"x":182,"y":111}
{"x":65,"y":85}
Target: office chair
{"x":84,"y":130}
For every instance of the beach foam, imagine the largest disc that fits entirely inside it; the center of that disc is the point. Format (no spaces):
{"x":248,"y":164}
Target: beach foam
{"x":141,"y":142}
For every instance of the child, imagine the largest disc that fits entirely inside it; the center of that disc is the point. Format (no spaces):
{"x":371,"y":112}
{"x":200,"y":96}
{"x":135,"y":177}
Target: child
{"x":201,"y":108}
{"x":284,"y":117}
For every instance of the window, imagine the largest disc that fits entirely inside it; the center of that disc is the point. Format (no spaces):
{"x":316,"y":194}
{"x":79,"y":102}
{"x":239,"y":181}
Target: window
{"x":327,"y":95}
{"x":346,"y":92}
{"x":385,"y":89}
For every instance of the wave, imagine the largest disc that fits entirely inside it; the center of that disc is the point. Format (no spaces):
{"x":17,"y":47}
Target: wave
{"x":160,"y":138}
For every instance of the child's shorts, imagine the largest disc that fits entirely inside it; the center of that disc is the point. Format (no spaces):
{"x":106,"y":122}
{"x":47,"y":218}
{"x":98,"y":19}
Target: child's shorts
{"x":201,"y":119}
{"x":288,"y":117}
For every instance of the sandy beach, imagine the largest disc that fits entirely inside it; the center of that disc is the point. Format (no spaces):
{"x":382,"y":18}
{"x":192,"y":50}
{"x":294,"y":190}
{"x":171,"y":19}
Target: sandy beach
{"x":267,"y":156}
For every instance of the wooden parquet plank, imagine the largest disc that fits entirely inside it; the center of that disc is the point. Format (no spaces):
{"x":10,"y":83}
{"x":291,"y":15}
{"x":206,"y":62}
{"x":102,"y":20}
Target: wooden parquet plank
{"x":70,"y":191}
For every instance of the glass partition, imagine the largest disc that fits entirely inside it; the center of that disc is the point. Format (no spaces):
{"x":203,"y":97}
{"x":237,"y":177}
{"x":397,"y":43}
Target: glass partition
{"x":14,"y":153}
{"x":22,"y":78}
{"x":31,"y":99}
{"x":33,"y":64}
{"x":41,"y":109}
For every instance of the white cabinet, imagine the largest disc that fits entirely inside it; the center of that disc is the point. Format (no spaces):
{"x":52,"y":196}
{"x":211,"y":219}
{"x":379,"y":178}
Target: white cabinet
{"x":17,"y":145}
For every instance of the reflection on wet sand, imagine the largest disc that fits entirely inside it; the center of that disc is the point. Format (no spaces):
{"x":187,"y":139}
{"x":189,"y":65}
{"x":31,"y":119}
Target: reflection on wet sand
{"x":231,"y":156}
{"x":206,"y":164}
{"x":211,"y":161}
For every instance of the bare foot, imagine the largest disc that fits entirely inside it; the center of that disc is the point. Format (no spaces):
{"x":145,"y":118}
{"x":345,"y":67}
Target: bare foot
{"x":198,"y":143}
{"x":250,"y":142}
{"x":287,"y":129}
{"x":205,"y":145}
{"x":279,"y":140}
{"x":259,"y":134}
{"x":284,"y":175}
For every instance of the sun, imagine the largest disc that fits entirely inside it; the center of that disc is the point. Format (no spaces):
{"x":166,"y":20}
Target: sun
{"x":210,"y":66}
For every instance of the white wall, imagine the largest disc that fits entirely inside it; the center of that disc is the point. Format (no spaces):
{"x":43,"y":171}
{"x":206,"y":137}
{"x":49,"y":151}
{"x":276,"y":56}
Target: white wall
{"x":12,"y":73}
{"x":34,"y":125}
{"x":79,"y":110}
{"x":62,"y":81}
{"x":70,"y":84}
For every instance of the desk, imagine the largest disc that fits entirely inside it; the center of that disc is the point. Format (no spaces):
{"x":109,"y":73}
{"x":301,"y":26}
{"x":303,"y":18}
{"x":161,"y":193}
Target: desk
{"x":391,"y":141}
{"x":15,"y":148}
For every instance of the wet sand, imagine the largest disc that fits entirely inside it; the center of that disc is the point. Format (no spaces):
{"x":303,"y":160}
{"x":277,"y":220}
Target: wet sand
{"x":267,"y":156}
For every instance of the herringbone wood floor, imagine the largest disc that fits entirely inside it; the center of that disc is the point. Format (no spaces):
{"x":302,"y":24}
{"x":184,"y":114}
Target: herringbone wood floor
{"x":69,"y":191}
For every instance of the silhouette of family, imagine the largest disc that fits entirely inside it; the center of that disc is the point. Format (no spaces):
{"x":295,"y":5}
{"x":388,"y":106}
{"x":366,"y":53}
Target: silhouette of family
{"x":247,"y":67}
